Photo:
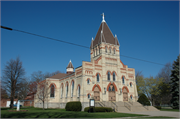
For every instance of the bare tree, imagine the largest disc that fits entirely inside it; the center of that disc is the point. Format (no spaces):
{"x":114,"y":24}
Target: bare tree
{"x":139,"y":82}
{"x":44,"y":91}
{"x":12,"y":76}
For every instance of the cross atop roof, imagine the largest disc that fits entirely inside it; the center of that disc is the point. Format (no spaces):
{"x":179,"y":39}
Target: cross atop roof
{"x":103,"y":17}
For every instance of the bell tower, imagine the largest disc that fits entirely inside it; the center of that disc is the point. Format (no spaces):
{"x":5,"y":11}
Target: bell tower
{"x":105,"y":43}
{"x":70,"y":68}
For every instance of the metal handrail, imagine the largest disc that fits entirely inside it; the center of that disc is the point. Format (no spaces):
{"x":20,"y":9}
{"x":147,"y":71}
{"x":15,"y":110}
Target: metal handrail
{"x":127,"y":106}
{"x":130,"y":101}
{"x":115,"y":105}
{"x":146,"y":106}
{"x":101,"y":100}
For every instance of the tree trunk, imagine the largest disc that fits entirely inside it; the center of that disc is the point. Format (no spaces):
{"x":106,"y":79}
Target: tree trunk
{"x":43,"y":105}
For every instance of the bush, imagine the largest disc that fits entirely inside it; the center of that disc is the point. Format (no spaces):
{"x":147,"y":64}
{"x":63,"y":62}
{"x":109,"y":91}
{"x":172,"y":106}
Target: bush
{"x":99,"y":109}
{"x":144,"y":100}
{"x":158,"y":107}
{"x":73,"y":106}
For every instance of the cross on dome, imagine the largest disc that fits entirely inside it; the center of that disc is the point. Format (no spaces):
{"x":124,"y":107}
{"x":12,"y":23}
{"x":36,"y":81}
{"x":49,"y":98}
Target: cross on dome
{"x":103,"y":17}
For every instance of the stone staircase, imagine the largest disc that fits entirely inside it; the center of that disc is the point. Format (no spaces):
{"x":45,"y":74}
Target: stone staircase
{"x":126,"y":106}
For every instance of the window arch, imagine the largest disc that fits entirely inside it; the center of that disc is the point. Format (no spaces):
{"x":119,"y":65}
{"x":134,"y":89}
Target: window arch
{"x":114,"y":76}
{"x":66,"y":89}
{"x":98,"y":77}
{"x":109,"y":76}
{"x":72,"y":88}
{"x":123,"y":80}
{"x":88,"y":81}
{"x":52,"y":91}
{"x":110,"y":50}
{"x":106,"y":49}
{"x":79,"y":91}
{"x":114,"y":51}
{"x":62,"y":91}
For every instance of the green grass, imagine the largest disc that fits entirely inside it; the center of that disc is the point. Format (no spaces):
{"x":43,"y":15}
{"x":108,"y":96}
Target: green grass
{"x":61,"y":113}
{"x":162,"y":117}
{"x":175,"y":110}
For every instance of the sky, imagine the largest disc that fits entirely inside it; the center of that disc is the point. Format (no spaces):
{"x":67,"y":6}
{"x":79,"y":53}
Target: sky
{"x":147,"y":30}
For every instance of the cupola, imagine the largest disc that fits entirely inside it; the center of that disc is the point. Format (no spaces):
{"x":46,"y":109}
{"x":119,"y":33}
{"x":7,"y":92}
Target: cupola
{"x":70,"y":68}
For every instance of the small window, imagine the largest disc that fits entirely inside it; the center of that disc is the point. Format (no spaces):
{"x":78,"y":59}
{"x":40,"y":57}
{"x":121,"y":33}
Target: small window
{"x":131,"y":97}
{"x":114,"y":76}
{"x":114,"y":51}
{"x":67,"y":90}
{"x":130,"y":84}
{"x":96,"y":51}
{"x":123,"y":79}
{"x":99,"y":50}
{"x":88,"y":81}
{"x":62,"y":91}
{"x":109,"y":76}
{"x":106,"y":49}
{"x":88,"y":96}
{"x":72,"y":89}
{"x":109,"y":50}
{"x":52,"y":91}
{"x":97,"y":77}
{"x":78,"y":91}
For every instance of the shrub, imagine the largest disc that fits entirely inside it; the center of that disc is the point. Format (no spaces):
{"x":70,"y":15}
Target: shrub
{"x":158,"y":107}
{"x":144,"y":100}
{"x":73,"y":106}
{"x":99,"y":109}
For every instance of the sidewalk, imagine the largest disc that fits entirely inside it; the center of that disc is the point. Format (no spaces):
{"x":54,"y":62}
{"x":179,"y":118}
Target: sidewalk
{"x":158,"y":113}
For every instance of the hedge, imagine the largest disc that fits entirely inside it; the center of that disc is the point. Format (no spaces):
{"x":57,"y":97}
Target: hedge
{"x":99,"y":109}
{"x":158,"y":107}
{"x":73,"y":106}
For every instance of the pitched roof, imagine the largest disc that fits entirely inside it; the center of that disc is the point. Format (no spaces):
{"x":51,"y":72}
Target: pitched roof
{"x":59,"y":75}
{"x":70,"y":65}
{"x":104,"y":34}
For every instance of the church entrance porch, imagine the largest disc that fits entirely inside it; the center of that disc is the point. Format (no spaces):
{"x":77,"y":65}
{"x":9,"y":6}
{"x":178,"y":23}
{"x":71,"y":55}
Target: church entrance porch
{"x":96,"y":94}
{"x":112,"y":94}
{"x":125,"y":94}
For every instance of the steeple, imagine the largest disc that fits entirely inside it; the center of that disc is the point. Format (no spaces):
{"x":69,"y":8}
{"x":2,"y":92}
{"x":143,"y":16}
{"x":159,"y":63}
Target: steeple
{"x":70,"y":68}
{"x":104,"y":34}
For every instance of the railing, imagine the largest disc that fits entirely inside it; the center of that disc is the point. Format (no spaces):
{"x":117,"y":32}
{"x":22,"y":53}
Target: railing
{"x":127,"y":106}
{"x":116,"y":107}
{"x":145,"y":106}
{"x":131,"y":101}
{"x":102,"y":102}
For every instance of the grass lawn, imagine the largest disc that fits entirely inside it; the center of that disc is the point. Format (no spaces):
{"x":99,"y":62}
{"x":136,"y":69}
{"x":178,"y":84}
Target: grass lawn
{"x":60,"y":113}
{"x":175,"y":110}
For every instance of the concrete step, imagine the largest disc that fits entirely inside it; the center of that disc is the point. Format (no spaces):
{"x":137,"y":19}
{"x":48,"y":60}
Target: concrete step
{"x":151,"y":108}
{"x":123,"y":109}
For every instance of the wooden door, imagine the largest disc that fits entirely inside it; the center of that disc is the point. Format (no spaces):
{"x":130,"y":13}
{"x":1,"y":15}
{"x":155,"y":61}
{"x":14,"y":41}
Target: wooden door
{"x":112,"y":94}
{"x":125,"y":95}
{"x":96,"y":94}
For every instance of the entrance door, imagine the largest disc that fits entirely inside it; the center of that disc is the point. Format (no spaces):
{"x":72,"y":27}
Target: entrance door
{"x":96,"y":94}
{"x":112,"y":94}
{"x":125,"y":95}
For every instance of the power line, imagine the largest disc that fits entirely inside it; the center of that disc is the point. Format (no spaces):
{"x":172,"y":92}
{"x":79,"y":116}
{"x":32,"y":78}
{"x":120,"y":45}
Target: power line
{"x":7,"y":28}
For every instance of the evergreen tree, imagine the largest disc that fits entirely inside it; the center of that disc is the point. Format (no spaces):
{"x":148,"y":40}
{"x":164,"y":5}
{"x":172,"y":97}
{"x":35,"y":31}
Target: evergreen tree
{"x":175,"y":84}
{"x":143,"y":100}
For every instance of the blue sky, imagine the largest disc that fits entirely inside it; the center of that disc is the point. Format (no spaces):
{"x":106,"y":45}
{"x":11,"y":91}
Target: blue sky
{"x":145,"y":30}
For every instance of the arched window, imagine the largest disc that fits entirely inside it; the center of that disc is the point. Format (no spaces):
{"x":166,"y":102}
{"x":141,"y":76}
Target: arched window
{"x":78,"y":91}
{"x":52,"y":91}
{"x":113,"y":88}
{"x":96,"y":51}
{"x":123,"y":80}
{"x":72,"y":88}
{"x":88,"y":96}
{"x":109,"y":50}
{"x":88,"y":81}
{"x":97,"y":77}
{"x":62,"y":91}
{"x":106,"y":49}
{"x":114,"y":76}
{"x":108,"y":75}
{"x":131,"y":97}
{"x":67,"y":90}
{"x":130,"y":84}
{"x":114,"y":51}
{"x":109,"y":88}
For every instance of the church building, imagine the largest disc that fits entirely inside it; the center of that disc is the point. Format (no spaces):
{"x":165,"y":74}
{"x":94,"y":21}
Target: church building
{"x":105,"y":78}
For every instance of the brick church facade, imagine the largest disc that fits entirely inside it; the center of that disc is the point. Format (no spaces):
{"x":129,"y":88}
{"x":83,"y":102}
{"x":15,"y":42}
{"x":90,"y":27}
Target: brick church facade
{"x":104,"y":78}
